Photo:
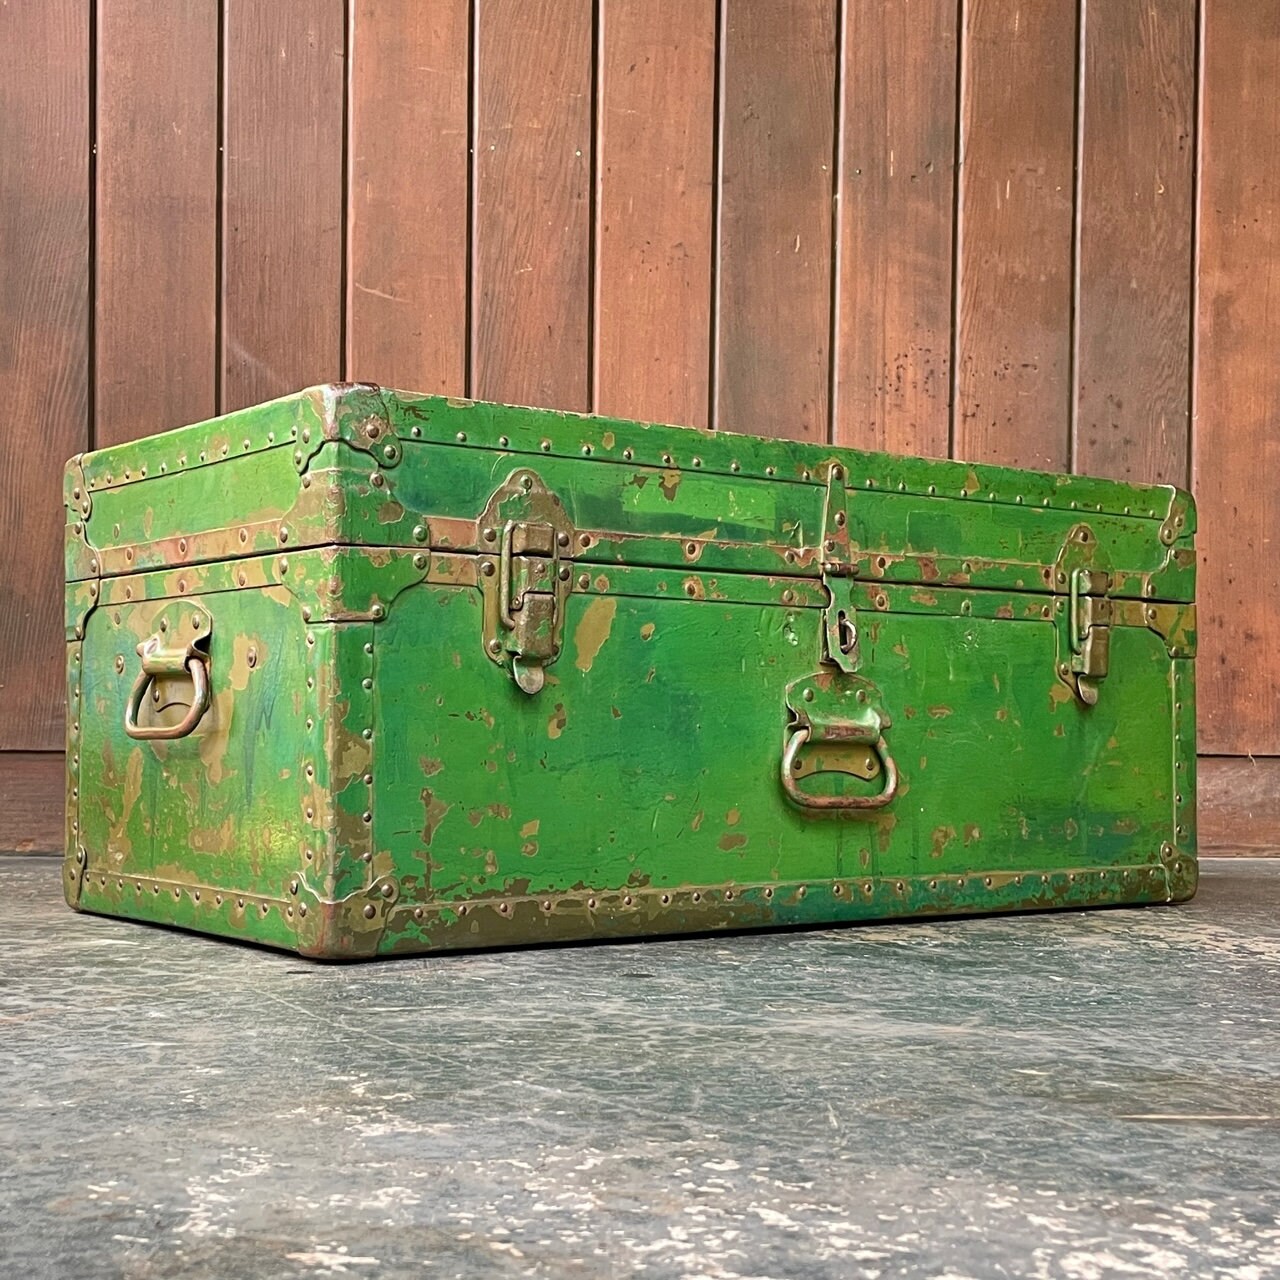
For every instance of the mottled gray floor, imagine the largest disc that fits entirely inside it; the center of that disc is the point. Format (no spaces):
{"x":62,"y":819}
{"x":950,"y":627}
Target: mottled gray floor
{"x":1081,"y":1095}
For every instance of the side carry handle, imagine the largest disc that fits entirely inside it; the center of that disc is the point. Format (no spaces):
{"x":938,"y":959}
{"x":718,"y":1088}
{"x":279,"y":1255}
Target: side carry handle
{"x":162,"y":656}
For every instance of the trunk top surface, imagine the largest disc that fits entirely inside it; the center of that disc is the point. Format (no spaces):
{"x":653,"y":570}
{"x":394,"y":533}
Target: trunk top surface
{"x":356,"y":465}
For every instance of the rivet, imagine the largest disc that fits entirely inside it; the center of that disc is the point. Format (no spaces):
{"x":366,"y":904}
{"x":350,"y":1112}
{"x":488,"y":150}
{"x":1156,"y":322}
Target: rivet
{"x":282,"y":564}
{"x":417,"y":913}
{"x":666,"y":898}
{"x":240,"y":903}
{"x":933,"y":884}
{"x":389,"y":452}
{"x":366,"y":734}
{"x":526,"y":480}
{"x":366,"y":683}
{"x":376,"y":480}
{"x":297,"y":457}
{"x":119,"y":663}
{"x":217,"y":898}
{"x":370,"y":911}
{"x":564,"y":573}
{"x":495,"y":646}
{"x":309,"y":854}
{"x":182,"y":546}
{"x":293,"y":886}
{"x":368,"y":648}
{"x":306,"y":613}
{"x":584,"y":581}
{"x":489,"y":535}
{"x":835,"y":888}
{"x":545,"y":446}
{"x":829,"y":545}
{"x":666,"y":459}
{"x":769,"y":471}
{"x":241,"y":577}
{"x":586,"y":450}
{"x":368,"y":779}
{"x":768,"y":893}
{"x":546,"y":904}
{"x":901,"y":886}
{"x":377,"y":612}
{"x":866,"y":888}
{"x":462,"y":910}
{"x":626,"y":901}
{"x":840,"y":519}
{"x":461,"y":437}
{"x":987,"y":882}
{"x":128,"y":554}
{"x":387,"y":890}
{"x":251,"y":657}
{"x":735,"y":466}
{"x":487,"y":567}
{"x":591,"y":902}
{"x":584,"y":540}
{"x":419,"y":533}
{"x":503,"y":442}
{"x":283,"y":535}
{"x":182,"y":584}
{"x":562,"y":539}
{"x":366,"y":817}
{"x":419,"y":561}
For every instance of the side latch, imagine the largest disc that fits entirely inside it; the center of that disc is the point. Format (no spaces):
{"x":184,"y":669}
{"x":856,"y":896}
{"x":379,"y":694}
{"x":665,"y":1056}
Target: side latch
{"x":527,"y":585}
{"x":1089,"y":624}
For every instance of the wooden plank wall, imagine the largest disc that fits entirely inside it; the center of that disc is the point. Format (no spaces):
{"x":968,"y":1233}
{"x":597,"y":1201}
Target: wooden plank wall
{"x":950,"y":227}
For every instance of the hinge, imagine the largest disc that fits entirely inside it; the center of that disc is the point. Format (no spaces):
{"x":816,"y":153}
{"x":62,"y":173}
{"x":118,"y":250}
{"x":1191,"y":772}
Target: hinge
{"x":525,"y":578}
{"x":840,"y":621}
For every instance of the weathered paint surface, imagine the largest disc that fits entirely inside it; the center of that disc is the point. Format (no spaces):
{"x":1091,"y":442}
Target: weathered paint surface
{"x":370,"y":777}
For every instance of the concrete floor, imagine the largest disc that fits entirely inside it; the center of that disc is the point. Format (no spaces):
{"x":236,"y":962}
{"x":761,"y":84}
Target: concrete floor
{"x":1078,"y":1096}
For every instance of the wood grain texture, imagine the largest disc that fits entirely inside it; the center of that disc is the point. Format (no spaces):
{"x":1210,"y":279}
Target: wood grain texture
{"x":409,"y":198}
{"x":775,"y":272}
{"x":1134,"y":304}
{"x":32,"y":795}
{"x":1239,"y":806}
{"x":657,"y":145}
{"x":156,"y":271}
{"x":532,"y":253}
{"x":283,"y":197}
{"x":44,"y":290}
{"x":896,"y":202}
{"x":1015,"y":260}
{"x":1237,"y":443}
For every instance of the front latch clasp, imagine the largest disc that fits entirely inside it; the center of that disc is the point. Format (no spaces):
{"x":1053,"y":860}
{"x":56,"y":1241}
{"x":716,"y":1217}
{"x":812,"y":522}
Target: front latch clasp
{"x":1089,"y":623}
{"x":525,"y":591}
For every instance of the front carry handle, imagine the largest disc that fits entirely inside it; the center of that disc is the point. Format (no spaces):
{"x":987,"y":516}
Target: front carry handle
{"x":158,"y":660}
{"x":841,"y":708}
{"x":806,"y":800}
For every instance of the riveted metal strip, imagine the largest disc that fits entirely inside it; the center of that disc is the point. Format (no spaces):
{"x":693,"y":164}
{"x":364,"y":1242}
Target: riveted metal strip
{"x":514,"y":919}
{"x":75,"y":856}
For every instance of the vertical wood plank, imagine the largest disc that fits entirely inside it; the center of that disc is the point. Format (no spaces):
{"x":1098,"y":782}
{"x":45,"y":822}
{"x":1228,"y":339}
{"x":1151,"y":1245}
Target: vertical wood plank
{"x":157,"y":217}
{"x":44,"y":290}
{"x":657,"y":142}
{"x":283,"y":201}
{"x":409,"y":198}
{"x":1013,"y":393}
{"x":532,"y":255}
{"x":1134,"y":303}
{"x":1237,"y":444}
{"x":775,"y":221}
{"x":896,"y":230}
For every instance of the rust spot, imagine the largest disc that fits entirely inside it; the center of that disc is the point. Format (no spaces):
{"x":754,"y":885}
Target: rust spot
{"x":615,"y":713}
{"x":530,"y":828}
{"x":1072,"y":828}
{"x":940,"y":713}
{"x":529,"y":848}
{"x":972,"y":832}
{"x":608,"y":439}
{"x":475,"y":817}
{"x":697,"y":819}
{"x":909,"y":712}
{"x":731,"y":841}
{"x":732,"y":818}
{"x":1002,"y":713}
{"x":669,"y":482}
{"x":1005,"y":611}
{"x":942,"y":836}
{"x":646,"y":631}
{"x":557,"y":722}
{"x":653,"y":671}
{"x":500,"y":811}
{"x":430,"y":767}
{"x":434,"y":810}
{"x":593,"y":630}
{"x":928,"y":568}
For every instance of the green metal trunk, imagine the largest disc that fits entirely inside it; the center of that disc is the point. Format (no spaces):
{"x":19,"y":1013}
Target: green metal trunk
{"x":356,"y":673}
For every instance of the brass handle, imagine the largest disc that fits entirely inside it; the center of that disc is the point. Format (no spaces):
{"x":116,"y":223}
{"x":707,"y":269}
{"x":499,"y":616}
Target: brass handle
{"x":199,"y":703}
{"x":796,"y":739}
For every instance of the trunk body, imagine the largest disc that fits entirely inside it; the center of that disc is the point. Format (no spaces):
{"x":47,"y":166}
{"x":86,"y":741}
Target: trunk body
{"x":357,"y":673}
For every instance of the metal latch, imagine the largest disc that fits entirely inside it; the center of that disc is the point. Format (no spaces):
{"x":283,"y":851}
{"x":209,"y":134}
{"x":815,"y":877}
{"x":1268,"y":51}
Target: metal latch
{"x":1090,"y":631}
{"x":840,"y":623}
{"x":526,"y":588}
